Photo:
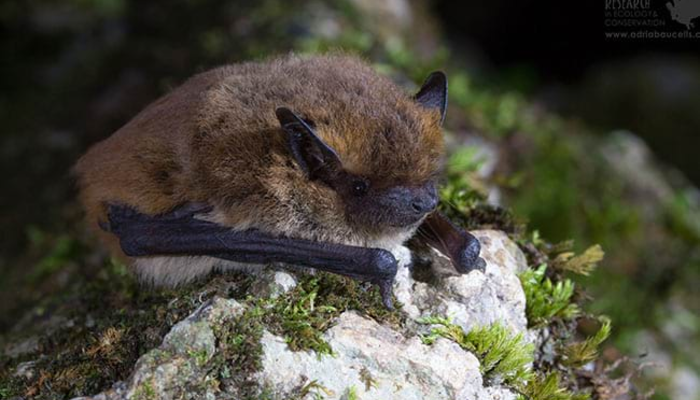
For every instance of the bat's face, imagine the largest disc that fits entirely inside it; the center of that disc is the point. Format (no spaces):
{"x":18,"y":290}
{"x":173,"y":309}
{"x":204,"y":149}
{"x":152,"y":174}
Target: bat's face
{"x":385,"y":172}
{"x":396,"y":206}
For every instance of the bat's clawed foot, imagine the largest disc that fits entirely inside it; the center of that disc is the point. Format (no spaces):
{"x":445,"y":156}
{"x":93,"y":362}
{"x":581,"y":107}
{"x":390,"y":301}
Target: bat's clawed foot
{"x":385,"y":267}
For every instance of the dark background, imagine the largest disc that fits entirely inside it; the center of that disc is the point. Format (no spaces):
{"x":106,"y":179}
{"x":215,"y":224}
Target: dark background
{"x":555,"y":50}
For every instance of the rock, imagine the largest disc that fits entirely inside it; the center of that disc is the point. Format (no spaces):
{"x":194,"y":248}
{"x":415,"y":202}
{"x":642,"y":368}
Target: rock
{"x":685,"y":383}
{"x":371,"y":360}
{"x":25,"y":346}
{"x":176,"y":368}
{"x":376,"y":362}
{"x":273,"y":284}
{"x":25,"y":370}
{"x":477,"y":298}
{"x":634,"y":162}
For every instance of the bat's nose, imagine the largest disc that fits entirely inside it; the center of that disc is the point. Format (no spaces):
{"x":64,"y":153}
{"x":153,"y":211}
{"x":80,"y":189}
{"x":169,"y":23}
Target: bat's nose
{"x":425,"y":201}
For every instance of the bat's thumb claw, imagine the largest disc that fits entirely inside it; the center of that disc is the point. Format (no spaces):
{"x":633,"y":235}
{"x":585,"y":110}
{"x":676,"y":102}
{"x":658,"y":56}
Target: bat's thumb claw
{"x":480,"y":265}
{"x":188,"y":210}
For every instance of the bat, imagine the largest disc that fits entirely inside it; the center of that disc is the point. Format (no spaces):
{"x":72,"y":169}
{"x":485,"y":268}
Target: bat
{"x":308,"y":161}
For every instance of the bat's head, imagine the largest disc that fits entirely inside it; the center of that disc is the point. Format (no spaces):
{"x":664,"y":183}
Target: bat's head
{"x":380,"y":157}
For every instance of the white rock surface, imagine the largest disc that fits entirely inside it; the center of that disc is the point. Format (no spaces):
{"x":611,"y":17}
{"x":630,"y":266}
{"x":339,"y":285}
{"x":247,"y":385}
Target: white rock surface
{"x":477,"y":298}
{"x":400,"y":367}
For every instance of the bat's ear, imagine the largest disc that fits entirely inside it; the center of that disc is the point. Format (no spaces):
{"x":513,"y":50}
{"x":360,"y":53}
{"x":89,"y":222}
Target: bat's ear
{"x":316,"y":158}
{"x":433,"y":93}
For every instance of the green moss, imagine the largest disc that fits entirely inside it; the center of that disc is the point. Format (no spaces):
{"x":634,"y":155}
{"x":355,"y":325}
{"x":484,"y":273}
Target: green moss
{"x":503,"y":357}
{"x":239,"y":352}
{"x":301,"y":316}
{"x":350,"y":394}
{"x":582,"y":264}
{"x":463,"y":188}
{"x":548,"y":387}
{"x":578,"y":354}
{"x":304,"y":313}
{"x":303,"y":321}
{"x":145,"y":391}
{"x":112,"y":323}
{"x":463,"y":196}
{"x":545,"y":299}
{"x":200,"y":356}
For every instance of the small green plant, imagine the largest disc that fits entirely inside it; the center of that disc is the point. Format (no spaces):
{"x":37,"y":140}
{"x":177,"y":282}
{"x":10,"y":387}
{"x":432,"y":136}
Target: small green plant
{"x":581,"y":353}
{"x":200,"y":356}
{"x":503,"y":356}
{"x":351,"y":394}
{"x":546,"y":300}
{"x":548,"y":387}
{"x":316,"y":389}
{"x":463,"y":188}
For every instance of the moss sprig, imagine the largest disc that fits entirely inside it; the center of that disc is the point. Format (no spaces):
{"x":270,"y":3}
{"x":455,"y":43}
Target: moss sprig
{"x":503,"y":357}
{"x":548,"y":387}
{"x":545,"y":299}
{"x":578,"y":354}
{"x":582,"y":264}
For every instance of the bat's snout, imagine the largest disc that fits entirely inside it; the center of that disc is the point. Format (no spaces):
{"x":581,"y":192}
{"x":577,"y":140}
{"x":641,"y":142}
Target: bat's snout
{"x":425,"y":201}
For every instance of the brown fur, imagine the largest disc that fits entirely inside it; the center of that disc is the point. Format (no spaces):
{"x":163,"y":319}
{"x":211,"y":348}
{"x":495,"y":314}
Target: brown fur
{"x":216,"y":139}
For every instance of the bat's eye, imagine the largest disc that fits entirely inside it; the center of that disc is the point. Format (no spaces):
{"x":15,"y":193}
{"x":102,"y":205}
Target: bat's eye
{"x":359,"y":187}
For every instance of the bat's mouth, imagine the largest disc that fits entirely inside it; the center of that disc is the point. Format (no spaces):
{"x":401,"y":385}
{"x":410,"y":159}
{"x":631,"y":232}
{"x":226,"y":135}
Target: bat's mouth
{"x":406,"y":220}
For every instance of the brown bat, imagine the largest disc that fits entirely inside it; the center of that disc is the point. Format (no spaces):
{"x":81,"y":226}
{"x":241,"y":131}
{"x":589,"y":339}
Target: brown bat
{"x":309,"y":161}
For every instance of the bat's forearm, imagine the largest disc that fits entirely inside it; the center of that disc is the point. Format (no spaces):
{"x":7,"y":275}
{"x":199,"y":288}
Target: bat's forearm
{"x":176,"y":234}
{"x":207,"y":239}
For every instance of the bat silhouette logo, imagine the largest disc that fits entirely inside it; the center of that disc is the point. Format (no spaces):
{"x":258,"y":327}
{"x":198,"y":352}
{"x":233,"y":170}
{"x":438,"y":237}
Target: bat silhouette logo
{"x":684,"y":11}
